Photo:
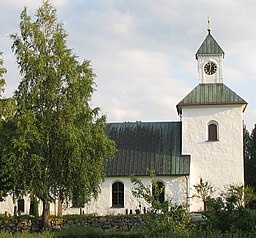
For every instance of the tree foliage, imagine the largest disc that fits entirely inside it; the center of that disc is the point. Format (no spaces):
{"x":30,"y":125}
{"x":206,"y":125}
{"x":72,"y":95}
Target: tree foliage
{"x":146,"y":192}
{"x":248,"y":163}
{"x":164,"y":219}
{"x":7,"y":108}
{"x":228,"y":212}
{"x":57,"y":140}
{"x":250,"y":158}
{"x":4,"y":178}
{"x":2,"y":72}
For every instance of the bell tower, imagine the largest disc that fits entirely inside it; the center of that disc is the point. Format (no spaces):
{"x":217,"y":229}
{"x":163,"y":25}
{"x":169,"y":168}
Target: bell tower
{"x":212,"y":125}
{"x":210,"y":60}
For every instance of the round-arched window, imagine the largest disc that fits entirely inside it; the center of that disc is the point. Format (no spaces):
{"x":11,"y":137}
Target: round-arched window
{"x":158,"y":191}
{"x":213,"y":131}
{"x":117,"y":194}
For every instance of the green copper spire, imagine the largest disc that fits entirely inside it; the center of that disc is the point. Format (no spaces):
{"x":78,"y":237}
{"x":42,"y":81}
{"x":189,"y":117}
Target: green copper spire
{"x":209,"y":46}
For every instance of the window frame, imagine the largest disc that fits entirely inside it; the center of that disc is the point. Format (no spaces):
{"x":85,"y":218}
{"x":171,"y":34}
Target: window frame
{"x":117,"y":194}
{"x":21,"y":205}
{"x":161,"y":196}
{"x":212,"y":131}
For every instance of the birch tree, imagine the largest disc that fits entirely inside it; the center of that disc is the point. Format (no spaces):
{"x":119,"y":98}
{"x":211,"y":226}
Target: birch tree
{"x":60,"y":140}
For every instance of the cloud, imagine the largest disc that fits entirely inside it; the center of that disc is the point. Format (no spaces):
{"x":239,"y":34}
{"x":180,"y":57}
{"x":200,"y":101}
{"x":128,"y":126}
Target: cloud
{"x":143,"y":52}
{"x":145,"y":92}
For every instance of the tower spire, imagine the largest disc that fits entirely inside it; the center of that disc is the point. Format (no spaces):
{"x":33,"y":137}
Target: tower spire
{"x":209,"y":25}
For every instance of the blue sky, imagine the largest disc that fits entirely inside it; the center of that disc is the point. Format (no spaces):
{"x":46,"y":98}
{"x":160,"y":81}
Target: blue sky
{"x":143,"y":51}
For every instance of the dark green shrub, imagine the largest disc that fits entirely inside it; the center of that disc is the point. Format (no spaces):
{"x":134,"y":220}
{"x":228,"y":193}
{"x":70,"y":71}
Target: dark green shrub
{"x":218,"y":234}
{"x":165,"y":219}
{"x":228,"y":213}
{"x":33,"y":209}
{"x":176,"y":222}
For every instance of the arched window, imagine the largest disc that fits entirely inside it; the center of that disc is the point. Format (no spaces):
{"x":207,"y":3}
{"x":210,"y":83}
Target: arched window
{"x":213,"y":131}
{"x":117,"y":194}
{"x":21,"y":205}
{"x":158,"y":191}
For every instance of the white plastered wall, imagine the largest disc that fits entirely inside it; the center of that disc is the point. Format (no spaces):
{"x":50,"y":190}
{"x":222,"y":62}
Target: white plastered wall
{"x":217,"y":162}
{"x":7,"y":206}
{"x":175,"y":190}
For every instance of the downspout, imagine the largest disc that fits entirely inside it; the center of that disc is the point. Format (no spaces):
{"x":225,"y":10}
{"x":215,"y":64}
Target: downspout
{"x":187,"y":192}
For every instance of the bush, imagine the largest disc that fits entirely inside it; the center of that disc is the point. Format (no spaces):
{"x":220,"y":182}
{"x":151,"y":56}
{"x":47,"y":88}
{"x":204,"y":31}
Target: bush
{"x":218,"y":234}
{"x":228,"y":213}
{"x":165,"y":219}
{"x":175,"y":222}
{"x":33,"y":210}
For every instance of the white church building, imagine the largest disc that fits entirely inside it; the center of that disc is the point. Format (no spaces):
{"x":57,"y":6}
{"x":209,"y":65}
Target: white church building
{"x":206,"y":143}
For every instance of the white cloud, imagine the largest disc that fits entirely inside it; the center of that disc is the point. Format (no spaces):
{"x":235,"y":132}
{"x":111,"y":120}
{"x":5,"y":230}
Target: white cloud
{"x":143,"y":51}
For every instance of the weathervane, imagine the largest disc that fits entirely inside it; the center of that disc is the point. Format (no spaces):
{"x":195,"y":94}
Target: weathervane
{"x":209,"y":25}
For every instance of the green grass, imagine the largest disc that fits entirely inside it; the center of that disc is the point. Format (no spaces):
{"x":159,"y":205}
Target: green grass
{"x":73,"y":233}
{"x":95,"y":233}
{"x":26,"y":235}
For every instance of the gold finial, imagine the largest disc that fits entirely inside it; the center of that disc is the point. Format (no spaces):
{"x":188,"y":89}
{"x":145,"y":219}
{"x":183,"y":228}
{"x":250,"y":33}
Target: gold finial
{"x":209,"y":25}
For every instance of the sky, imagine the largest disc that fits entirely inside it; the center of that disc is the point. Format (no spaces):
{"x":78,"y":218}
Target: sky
{"x":143,"y":51}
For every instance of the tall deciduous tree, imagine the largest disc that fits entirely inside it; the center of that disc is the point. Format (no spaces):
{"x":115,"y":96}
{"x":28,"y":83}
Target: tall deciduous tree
{"x":248,"y":169}
{"x":4,"y":180}
{"x":7,"y":108}
{"x":251,"y":165}
{"x":60,"y":140}
{"x":2,"y":72}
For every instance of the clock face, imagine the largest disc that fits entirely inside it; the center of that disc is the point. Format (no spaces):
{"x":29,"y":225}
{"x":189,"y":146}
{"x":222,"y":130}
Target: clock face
{"x":210,"y":68}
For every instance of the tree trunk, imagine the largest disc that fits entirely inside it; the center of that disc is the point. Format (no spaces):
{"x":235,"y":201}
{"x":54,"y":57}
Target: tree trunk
{"x":59,"y":211}
{"x":15,"y":211}
{"x":46,"y":213}
{"x":205,"y":206}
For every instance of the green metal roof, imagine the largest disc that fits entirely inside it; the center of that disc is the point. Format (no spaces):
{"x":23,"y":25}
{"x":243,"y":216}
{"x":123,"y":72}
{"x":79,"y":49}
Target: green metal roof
{"x":209,"y":47}
{"x":210,"y":94}
{"x":146,"y":146}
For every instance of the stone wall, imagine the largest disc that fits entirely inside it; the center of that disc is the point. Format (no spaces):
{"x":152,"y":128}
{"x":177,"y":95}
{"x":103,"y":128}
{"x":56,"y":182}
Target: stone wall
{"x":123,"y":223}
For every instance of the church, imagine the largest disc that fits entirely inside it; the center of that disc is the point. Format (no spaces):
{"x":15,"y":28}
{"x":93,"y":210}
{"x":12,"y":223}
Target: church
{"x":206,"y":143}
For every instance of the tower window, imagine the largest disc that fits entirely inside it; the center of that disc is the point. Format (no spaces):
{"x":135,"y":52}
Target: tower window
{"x":158,"y":191}
{"x":212,"y":131}
{"x":117,"y":194}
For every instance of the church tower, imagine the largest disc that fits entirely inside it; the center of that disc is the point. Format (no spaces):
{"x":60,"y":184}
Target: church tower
{"x":212,"y":125}
{"x":210,"y":61}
